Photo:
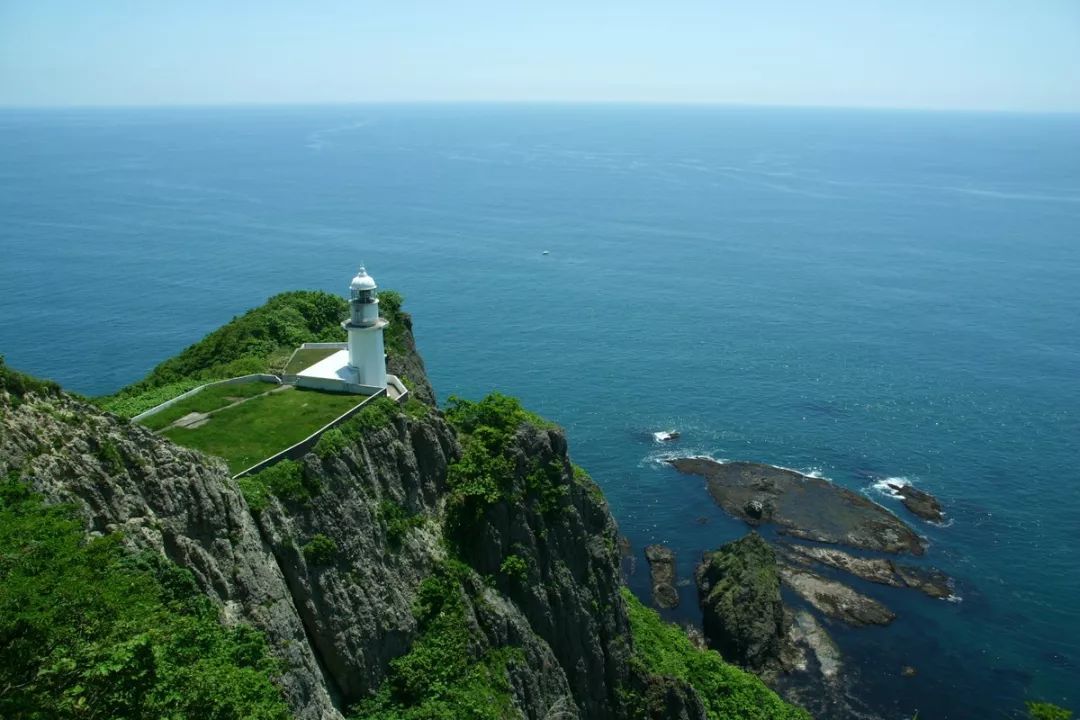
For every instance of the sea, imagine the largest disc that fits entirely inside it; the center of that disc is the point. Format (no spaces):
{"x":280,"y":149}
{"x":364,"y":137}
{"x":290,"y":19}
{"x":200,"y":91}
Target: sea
{"x":860,"y":294}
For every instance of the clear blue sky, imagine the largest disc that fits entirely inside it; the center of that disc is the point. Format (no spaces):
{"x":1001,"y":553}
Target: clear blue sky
{"x":969,"y":54}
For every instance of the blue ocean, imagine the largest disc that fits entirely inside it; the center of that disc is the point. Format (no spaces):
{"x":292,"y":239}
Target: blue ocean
{"x":860,"y":294}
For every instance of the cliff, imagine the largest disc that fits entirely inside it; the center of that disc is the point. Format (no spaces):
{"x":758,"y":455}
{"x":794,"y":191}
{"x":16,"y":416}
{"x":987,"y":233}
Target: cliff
{"x":423,"y":564}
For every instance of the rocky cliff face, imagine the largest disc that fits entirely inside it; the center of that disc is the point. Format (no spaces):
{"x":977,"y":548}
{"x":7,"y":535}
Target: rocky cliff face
{"x":338,"y":621}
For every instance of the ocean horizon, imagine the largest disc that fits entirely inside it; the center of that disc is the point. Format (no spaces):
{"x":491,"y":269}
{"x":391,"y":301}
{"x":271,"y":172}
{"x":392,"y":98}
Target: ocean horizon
{"x":861,"y":294}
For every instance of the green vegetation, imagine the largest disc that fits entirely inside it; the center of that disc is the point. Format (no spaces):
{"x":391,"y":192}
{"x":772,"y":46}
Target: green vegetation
{"x":516,"y":568}
{"x":1047,"y":711}
{"x":87,"y":630}
{"x":320,"y":550}
{"x":254,"y":430}
{"x":130,"y":404}
{"x":285,"y":480}
{"x":109,"y":456}
{"x":728,"y":693}
{"x":484,"y":474}
{"x":260,"y":340}
{"x":396,"y":521}
{"x":17,"y":385}
{"x":206,"y":400}
{"x":444,"y":674}
{"x":390,"y":303}
{"x":305,"y":358}
{"x":376,"y":414}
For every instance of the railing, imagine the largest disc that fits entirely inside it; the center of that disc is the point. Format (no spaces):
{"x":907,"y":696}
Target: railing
{"x":241,"y":380}
{"x":301,"y":448}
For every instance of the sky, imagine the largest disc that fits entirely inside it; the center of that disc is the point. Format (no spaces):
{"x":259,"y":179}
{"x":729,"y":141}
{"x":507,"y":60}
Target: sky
{"x":1016,"y":55}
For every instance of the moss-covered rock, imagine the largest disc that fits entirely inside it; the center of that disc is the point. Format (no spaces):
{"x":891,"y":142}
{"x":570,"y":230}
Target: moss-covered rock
{"x":739,"y":591}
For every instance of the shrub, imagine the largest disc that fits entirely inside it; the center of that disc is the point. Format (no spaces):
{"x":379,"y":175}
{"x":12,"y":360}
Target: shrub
{"x":90,"y":630}
{"x":727,"y":692}
{"x":444,"y":674}
{"x":396,"y":521}
{"x":320,"y":550}
{"x":331,"y":443}
{"x":17,"y":385}
{"x":109,"y":456}
{"x":1047,"y":711}
{"x":516,"y":568}
{"x":285,"y":480}
{"x":484,"y":474}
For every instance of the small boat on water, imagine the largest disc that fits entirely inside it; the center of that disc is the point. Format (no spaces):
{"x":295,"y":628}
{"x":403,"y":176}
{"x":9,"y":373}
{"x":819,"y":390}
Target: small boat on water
{"x":666,"y":435}
{"x":546,"y":252}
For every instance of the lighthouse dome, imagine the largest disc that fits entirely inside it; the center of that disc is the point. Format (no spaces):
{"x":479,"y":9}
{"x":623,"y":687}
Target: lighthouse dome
{"x":362,"y":281}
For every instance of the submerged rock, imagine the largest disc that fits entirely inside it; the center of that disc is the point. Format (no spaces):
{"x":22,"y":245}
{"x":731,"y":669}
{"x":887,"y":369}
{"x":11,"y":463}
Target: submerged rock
{"x":662,"y":570}
{"x":835,"y":599}
{"x":801,"y":506}
{"x":739,"y":591}
{"x":919,"y":502}
{"x":878,"y":570}
{"x":808,"y":631}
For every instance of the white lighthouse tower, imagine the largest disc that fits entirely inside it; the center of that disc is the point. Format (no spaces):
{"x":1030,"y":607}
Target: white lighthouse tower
{"x":366,"y":352}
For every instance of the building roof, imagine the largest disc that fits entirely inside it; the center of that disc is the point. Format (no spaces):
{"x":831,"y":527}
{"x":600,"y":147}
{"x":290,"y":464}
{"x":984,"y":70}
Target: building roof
{"x":362,"y":281}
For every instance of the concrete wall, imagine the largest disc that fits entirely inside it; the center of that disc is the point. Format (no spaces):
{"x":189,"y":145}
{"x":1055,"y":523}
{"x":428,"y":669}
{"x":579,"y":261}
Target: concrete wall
{"x":258,"y":377}
{"x":303,"y":447}
{"x":324,"y":346}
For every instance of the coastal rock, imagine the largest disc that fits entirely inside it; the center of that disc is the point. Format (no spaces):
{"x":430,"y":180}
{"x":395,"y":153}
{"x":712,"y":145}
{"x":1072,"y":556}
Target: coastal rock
{"x":878,"y":570}
{"x":801,"y":506}
{"x":835,"y":599}
{"x":808,"y":631}
{"x":919,"y":502}
{"x":739,"y":592}
{"x":662,"y":571}
{"x":627,"y":561}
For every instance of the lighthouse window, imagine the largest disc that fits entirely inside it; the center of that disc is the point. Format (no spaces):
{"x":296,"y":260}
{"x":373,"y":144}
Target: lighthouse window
{"x":365,"y":296}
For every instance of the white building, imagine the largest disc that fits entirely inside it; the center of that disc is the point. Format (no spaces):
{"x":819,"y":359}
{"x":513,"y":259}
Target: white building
{"x":358,"y":366}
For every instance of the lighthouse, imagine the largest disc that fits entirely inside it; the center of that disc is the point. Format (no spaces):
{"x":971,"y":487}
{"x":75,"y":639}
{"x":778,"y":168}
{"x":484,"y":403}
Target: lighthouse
{"x":367,"y":355}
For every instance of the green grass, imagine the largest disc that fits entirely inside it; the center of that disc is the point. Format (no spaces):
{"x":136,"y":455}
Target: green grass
{"x":211,"y":398}
{"x":728,"y":692}
{"x":302,"y":359}
{"x":253,"y":431}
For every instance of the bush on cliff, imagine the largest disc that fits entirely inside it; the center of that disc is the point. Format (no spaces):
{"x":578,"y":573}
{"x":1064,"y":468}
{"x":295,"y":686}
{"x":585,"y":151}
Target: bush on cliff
{"x":485,"y":472}
{"x":445,"y":674}
{"x":728,"y":692}
{"x":87,"y":630}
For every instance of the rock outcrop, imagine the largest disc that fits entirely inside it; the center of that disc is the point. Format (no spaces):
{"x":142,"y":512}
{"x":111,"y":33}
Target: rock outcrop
{"x":662,"y":572}
{"x":919,"y":502}
{"x":835,"y":599}
{"x":801,"y":506}
{"x":739,"y":590}
{"x":878,"y":570}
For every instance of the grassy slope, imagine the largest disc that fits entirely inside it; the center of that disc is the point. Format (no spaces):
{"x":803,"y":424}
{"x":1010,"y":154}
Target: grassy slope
{"x":255,"y":430}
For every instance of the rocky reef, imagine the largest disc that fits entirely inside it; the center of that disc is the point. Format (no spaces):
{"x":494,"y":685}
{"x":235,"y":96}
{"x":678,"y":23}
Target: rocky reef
{"x":801,"y":506}
{"x":884,"y":571}
{"x":919,"y":502}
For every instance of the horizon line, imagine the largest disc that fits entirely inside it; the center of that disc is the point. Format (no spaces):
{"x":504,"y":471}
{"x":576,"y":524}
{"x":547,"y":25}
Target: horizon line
{"x":522,"y":102}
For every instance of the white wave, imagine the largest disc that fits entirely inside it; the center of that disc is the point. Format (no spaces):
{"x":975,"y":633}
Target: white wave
{"x":884,"y":486}
{"x":954,"y":599}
